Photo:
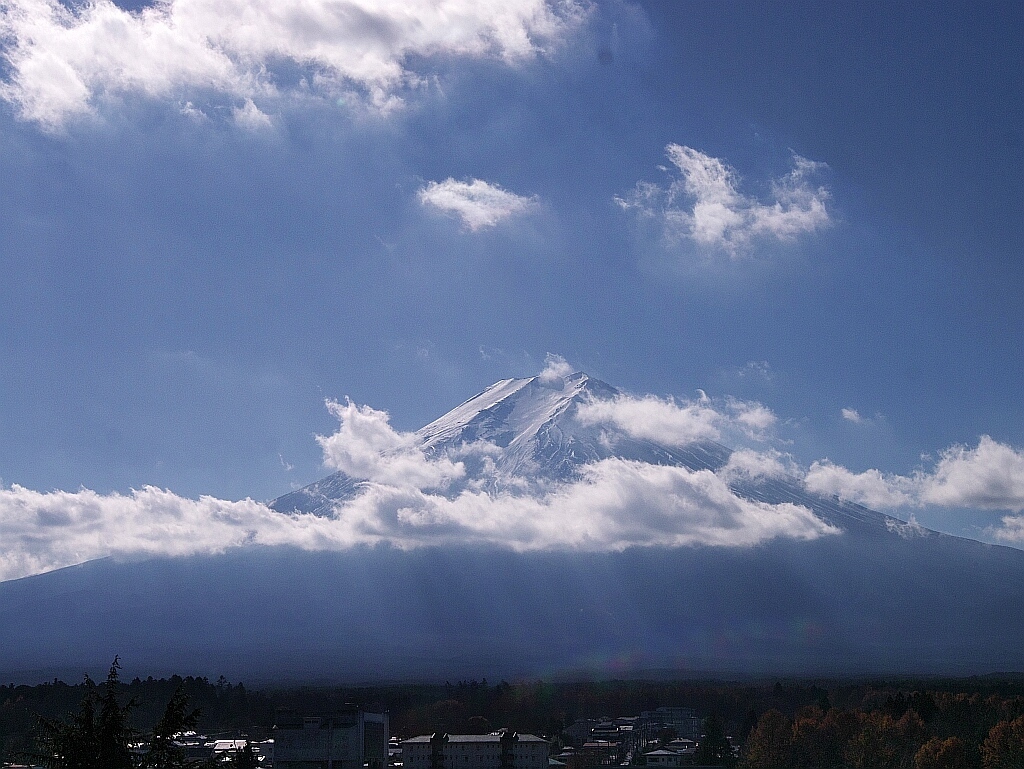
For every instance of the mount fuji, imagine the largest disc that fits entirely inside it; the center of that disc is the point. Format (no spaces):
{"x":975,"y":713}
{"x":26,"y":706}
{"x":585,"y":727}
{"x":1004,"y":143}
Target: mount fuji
{"x":538,"y":438}
{"x":849,"y":590}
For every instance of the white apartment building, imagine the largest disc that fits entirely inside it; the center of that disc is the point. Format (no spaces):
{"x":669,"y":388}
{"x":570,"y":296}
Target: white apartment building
{"x":498,"y":750}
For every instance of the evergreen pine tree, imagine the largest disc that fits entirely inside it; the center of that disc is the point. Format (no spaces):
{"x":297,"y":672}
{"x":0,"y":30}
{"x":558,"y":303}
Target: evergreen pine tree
{"x":113,"y":734}
{"x":714,"y":748}
{"x":163,"y":752}
{"x":90,"y":739}
{"x":69,"y":744}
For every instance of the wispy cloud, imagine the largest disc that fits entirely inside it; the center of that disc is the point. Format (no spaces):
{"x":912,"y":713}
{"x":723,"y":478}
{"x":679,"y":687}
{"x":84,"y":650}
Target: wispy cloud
{"x":852,"y":415}
{"x":250,"y":117}
{"x":756,"y":369}
{"x":555,"y":368}
{"x":703,"y":203}
{"x":65,"y":59}
{"x":478,"y":204}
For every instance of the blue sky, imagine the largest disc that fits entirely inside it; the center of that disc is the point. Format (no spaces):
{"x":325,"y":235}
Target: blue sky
{"x":209,"y":226}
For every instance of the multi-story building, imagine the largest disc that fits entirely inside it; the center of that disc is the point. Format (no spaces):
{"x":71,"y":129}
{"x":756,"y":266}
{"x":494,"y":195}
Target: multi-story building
{"x":347,"y":739}
{"x":580,"y":731}
{"x":601,"y":752}
{"x":683,"y":721}
{"x":498,"y":750}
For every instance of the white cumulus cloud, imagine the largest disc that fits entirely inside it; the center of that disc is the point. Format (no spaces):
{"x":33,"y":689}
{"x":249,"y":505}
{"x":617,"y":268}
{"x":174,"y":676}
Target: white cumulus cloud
{"x":703,"y":203}
{"x":476,"y":203}
{"x":748,"y":464}
{"x":987,"y":477}
{"x":871,"y":487}
{"x":407,"y":499}
{"x":617,"y":504}
{"x":366,"y":447}
{"x":1010,"y":529}
{"x":41,"y":531}
{"x":64,"y":59}
{"x":660,"y":419}
{"x":755,"y":419}
{"x":678,"y":422}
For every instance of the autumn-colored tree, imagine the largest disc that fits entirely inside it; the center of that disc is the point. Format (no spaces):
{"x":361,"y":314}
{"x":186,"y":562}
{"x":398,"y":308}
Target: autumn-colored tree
{"x":770,"y":745}
{"x":1004,"y":746}
{"x":885,"y":743}
{"x":942,"y":754}
{"x":820,"y":739}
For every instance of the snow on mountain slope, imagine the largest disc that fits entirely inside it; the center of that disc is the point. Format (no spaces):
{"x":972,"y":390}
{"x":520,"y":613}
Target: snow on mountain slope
{"x":517,"y":432}
{"x":519,"y":436}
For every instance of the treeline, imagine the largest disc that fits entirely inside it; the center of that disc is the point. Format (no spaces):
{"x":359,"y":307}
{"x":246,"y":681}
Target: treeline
{"x":921,"y":730}
{"x":99,"y":734}
{"x":32,"y":715}
{"x":790,"y":723}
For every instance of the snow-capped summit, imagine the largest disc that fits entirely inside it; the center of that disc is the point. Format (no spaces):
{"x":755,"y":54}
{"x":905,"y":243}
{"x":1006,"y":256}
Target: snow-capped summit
{"x":513,"y":411}
{"x":533,"y":422}
{"x":523,"y":428}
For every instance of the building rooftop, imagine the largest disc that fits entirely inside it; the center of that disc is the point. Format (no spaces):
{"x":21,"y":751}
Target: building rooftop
{"x":462,"y":738}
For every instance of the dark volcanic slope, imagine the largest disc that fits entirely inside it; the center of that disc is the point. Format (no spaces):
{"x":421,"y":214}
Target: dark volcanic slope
{"x":843,"y":604}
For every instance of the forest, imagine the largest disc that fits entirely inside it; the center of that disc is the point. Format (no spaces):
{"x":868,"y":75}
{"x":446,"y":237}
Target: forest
{"x":962,"y":723}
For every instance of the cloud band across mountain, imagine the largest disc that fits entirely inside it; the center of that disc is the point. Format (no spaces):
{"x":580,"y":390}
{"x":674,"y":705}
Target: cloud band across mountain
{"x":618,"y":504}
{"x":408,"y":496}
{"x":406,"y":499}
{"x":987,"y":477}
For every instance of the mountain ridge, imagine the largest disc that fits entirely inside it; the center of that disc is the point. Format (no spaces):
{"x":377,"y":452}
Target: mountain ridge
{"x":884,"y":596}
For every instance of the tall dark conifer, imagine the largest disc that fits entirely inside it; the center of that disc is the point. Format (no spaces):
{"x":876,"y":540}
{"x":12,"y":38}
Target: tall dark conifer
{"x":114,"y":735}
{"x":714,"y":748}
{"x":178,"y":717}
{"x":69,"y":744}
